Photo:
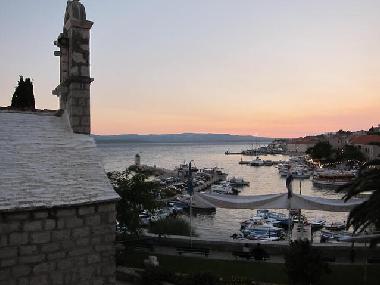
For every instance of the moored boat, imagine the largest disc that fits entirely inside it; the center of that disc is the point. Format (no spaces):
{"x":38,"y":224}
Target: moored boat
{"x":257,"y":162}
{"x":333,"y":178}
{"x":335,"y":226}
{"x":238,"y":182}
{"x":268,"y":162}
{"x":224,"y":188}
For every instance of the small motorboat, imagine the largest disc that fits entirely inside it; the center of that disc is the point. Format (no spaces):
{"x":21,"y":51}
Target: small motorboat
{"x":337,"y":226}
{"x":223,"y":188}
{"x":301,"y":174}
{"x":334,"y":236}
{"x":317,"y":225}
{"x":238,"y":182}
{"x":268,"y":163}
{"x":257,"y":162}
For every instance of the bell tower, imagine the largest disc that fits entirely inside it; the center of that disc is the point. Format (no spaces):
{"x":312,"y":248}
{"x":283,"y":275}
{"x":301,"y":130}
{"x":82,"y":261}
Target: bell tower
{"x":74,"y":53}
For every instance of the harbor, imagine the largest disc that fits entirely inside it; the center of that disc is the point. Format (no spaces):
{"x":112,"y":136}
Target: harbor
{"x":217,"y":222}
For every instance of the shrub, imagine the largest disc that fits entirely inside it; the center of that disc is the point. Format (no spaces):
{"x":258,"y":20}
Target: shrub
{"x":168,"y":193}
{"x":171,"y":226}
{"x":304,"y":264}
{"x":136,"y":195}
{"x":202,"y":278}
{"x":154,"y":276}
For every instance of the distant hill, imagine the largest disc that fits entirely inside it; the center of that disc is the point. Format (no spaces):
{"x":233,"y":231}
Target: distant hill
{"x":179,"y":138}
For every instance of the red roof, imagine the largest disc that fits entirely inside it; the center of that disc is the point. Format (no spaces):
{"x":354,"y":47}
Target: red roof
{"x":365,"y":139}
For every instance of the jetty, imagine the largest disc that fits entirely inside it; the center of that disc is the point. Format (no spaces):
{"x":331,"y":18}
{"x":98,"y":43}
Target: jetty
{"x":230,"y":152}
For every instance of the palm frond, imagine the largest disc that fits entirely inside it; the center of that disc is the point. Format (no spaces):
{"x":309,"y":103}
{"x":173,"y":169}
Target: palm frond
{"x":367,"y":213}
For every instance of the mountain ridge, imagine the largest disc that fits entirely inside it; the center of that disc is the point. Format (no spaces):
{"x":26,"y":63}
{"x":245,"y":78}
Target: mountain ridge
{"x":179,"y":138}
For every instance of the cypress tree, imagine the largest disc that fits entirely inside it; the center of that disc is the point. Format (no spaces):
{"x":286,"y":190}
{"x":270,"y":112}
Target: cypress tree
{"x":23,"y":97}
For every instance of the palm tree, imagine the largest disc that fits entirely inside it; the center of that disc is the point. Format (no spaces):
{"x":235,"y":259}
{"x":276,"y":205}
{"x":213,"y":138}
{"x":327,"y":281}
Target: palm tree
{"x":367,"y":213}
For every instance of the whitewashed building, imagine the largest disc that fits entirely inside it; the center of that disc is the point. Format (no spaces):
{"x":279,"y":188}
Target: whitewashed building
{"x":301,"y":145}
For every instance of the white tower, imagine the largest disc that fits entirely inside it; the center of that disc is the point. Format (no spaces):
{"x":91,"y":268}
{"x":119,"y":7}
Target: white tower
{"x":137,"y":160}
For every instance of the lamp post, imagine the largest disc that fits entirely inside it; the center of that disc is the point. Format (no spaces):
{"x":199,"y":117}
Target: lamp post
{"x":190,"y":190}
{"x":288,"y":183}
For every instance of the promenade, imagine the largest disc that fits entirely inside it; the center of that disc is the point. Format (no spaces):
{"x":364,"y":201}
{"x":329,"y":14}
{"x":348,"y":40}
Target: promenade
{"x":222,"y":250}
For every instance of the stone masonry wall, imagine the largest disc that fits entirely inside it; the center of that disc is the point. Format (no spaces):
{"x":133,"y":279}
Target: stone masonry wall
{"x":58,"y":246}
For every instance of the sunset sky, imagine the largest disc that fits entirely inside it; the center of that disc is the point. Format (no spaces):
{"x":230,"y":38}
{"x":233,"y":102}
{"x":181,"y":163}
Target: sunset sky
{"x":279,"y":68}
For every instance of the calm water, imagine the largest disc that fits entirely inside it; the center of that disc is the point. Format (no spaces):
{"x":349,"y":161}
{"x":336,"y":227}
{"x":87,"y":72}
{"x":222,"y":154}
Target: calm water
{"x":264,"y":180}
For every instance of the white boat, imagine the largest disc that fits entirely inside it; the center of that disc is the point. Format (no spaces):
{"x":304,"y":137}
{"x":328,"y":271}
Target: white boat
{"x":238,"y":182}
{"x":262,"y":232}
{"x":301,"y":174}
{"x":160,"y":215}
{"x":222,"y":188}
{"x":144,"y":219}
{"x":317,"y":224}
{"x":283,"y":169}
{"x":257,"y":223}
{"x":183,"y":169}
{"x":299,"y":171}
{"x":216,"y":173}
{"x":257,"y":162}
{"x":327,"y":236}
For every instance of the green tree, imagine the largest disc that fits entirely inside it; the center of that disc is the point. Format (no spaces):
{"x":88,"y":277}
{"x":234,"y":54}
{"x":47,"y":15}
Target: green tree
{"x":367,"y":213}
{"x":23,"y":97}
{"x":136,"y":194}
{"x":350,"y":152}
{"x":321,"y":150}
{"x":304,"y":264}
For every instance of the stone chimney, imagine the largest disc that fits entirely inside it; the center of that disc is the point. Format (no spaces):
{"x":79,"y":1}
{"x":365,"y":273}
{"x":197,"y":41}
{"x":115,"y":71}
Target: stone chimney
{"x":74,"y":88}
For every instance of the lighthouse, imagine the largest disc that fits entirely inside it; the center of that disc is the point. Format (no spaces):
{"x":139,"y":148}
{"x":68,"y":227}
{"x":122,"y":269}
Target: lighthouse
{"x":137,"y":160}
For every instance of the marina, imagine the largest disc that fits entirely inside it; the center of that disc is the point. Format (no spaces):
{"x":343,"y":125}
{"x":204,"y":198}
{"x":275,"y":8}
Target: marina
{"x":221,"y":223}
{"x":274,"y":147}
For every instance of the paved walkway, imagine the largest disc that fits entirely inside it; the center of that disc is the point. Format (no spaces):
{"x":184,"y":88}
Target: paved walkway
{"x":224,"y":255}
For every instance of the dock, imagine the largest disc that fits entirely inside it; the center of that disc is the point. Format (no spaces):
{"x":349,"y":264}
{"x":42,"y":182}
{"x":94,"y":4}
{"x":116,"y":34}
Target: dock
{"x":232,"y":153}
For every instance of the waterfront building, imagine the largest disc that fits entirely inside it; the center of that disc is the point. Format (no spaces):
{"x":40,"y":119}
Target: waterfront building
{"x":369,"y":145}
{"x":339,"y":139}
{"x":57,"y":207}
{"x":301,"y":145}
